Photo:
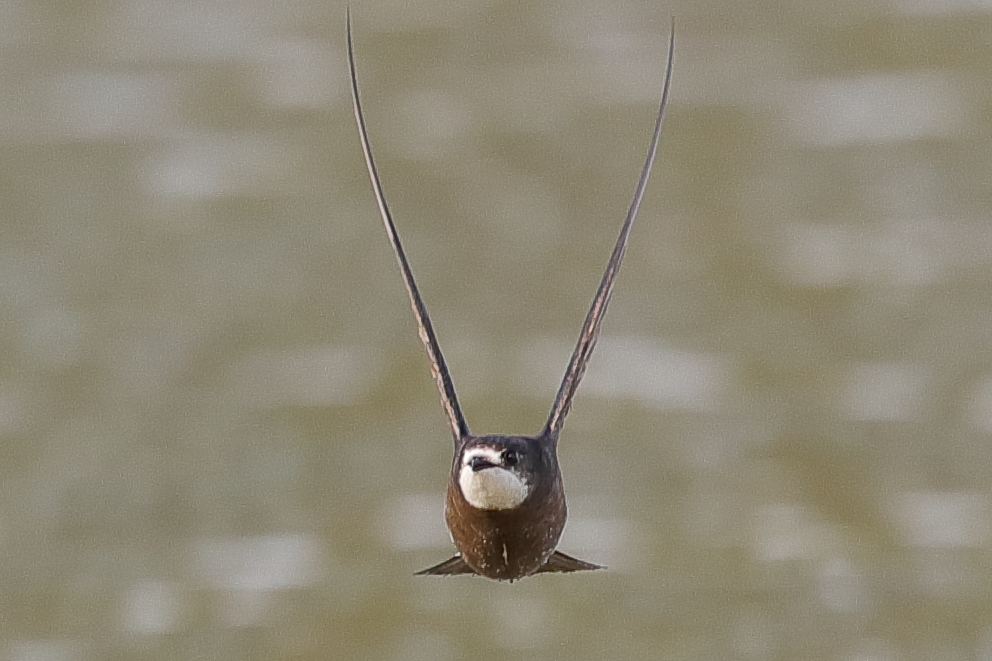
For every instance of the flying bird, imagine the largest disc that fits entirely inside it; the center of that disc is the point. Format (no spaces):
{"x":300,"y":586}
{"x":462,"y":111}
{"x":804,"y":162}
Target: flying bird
{"x":505,"y":502}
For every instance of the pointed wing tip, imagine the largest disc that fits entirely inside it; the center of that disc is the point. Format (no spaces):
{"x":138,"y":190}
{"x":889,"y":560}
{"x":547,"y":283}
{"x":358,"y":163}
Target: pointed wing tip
{"x":439,"y":369}
{"x":591,"y":326}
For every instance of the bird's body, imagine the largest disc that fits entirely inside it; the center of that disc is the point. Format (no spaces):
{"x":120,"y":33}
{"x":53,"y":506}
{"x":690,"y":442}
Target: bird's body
{"x":510,"y":541}
{"x":505,"y":503}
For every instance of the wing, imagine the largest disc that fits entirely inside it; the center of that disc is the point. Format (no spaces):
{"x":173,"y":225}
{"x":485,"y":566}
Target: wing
{"x":449,"y":400}
{"x":594,"y":318}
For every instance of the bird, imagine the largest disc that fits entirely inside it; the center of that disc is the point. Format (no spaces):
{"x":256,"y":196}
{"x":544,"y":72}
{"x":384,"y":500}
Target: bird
{"x":505,"y":501}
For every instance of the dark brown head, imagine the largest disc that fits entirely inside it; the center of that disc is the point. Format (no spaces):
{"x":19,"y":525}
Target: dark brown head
{"x":502,"y":472}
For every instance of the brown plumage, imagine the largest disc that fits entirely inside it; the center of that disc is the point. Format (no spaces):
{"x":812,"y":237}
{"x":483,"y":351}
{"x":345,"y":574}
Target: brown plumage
{"x":505,"y":504}
{"x":510,"y":543}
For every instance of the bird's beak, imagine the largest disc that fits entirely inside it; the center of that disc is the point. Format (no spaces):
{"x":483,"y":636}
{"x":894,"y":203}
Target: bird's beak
{"x":480,"y":463}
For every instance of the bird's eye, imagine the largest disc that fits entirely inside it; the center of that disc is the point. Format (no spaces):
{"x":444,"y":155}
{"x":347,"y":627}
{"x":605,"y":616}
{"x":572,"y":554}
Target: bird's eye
{"x":511,"y":458}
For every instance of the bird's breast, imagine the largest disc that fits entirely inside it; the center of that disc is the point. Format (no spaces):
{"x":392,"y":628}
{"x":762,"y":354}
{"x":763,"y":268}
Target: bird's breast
{"x":506,"y":544}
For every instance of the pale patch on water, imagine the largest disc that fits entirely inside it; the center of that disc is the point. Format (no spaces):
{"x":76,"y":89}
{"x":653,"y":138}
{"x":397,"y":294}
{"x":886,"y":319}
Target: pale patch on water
{"x":53,"y":336}
{"x":521,"y":622}
{"x":194,"y":32}
{"x":426,"y":125}
{"x":942,"y":519}
{"x":300,"y":74}
{"x":942,"y":7}
{"x":660,"y":377}
{"x":211,"y":164}
{"x":878,"y":108}
{"x":18,"y":22}
{"x":841,"y":587}
{"x":244,"y":608}
{"x":637,"y":368}
{"x":266,"y":562}
{"x":307,"y":376}
{"x":14,"y":414}
{"x":884,"y":391}
{"x":424,"y":646}
{"x":875,"y":649}
{"x":790,"y":531}
{"x":904,"y":250}
{"x":43,"y":650}
{"x":980,"y":405}
{"x":414,"y":521}
{"x":946,"y":573}
{"x":754,"y":634}
{"x":102,"y":105}
{"x":820,"y":255}
{"x":151,"y":607}
{"x":603,"y":539}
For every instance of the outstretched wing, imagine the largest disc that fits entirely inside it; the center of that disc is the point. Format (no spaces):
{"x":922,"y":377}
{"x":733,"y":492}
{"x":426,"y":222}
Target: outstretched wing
{"x":449,"y":400}
{"x":594,"y":319}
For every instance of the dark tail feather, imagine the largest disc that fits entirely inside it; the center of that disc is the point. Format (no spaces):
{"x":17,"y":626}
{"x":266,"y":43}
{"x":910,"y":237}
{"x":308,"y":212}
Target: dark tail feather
{"x":559,"y":562}
{"x":449,"y":567}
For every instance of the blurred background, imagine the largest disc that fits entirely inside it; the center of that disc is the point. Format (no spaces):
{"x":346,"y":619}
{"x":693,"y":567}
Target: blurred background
{"x":218,"y":434}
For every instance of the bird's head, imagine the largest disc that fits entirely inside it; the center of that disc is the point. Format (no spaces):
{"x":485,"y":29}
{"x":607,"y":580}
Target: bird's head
{"x":500,"y":472}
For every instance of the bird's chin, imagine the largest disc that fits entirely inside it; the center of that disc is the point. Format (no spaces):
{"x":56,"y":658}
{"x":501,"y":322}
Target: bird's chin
{"x":492,"y":488}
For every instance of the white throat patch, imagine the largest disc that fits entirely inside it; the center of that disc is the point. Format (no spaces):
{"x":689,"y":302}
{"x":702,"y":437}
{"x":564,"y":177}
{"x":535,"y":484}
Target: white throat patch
{"x":493,"y":488}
